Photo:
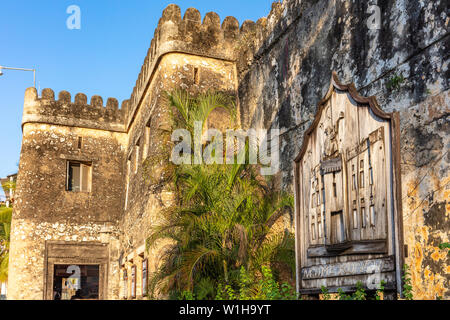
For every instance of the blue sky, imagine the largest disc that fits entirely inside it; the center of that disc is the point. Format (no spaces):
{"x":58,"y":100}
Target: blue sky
{"x":104,"y":57}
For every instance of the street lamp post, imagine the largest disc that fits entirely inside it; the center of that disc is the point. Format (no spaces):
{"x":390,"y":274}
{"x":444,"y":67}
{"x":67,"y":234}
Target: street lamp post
{"x":20,"y":69}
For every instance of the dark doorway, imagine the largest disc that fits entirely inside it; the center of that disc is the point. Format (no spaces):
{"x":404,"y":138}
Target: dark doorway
{"x":76,"y":282}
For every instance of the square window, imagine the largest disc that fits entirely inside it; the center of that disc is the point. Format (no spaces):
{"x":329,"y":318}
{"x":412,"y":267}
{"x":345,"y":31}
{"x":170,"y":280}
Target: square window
{"x":79,"y":176}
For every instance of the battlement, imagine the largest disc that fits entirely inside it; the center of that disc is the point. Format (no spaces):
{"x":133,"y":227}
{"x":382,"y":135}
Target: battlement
{"x":45,"y":109}
{"x":224,"y":40}
{"x":210,"y":38}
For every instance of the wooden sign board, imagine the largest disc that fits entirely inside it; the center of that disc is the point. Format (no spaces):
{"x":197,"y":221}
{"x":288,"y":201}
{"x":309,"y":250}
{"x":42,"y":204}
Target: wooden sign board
{"x":347,"y":187}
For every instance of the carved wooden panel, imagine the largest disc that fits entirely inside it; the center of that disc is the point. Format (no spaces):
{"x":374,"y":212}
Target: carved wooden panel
{"x":347,"y":190}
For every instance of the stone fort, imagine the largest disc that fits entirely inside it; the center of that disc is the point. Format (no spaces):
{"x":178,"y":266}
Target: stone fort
{"x":82,"y":198}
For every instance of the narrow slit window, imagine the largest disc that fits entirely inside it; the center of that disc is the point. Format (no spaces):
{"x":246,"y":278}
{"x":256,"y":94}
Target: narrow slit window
{"x":361,"y":178}
{"x":128,"y":181}
{"x":355,"y":219}
{"x":319,"y":226}
{"x":313,"y":200}
{"x":363,"y":217}
{"x":337,"y":227}
{"x":133,"y":282}
{"x":79,"y":176}
{"x":361,"y":174}
{"x":80,"y":142}
{"x":372,"y":216}
{"x":144,"y":278}
{"x":125,"y":284}
{"x":313,"y":231}
{"x":353,"y":182}
{"x":334,"y":185}
{"x":137,"y":156}
{"x":371,"y":176}
{"x":145,"y":151}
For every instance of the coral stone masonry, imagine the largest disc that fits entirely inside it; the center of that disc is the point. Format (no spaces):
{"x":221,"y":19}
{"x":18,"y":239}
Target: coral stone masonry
{"x":83,"y":208}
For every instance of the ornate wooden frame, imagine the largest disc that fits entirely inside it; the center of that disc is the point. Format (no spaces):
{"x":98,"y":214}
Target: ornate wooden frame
{"x":394,"y":120}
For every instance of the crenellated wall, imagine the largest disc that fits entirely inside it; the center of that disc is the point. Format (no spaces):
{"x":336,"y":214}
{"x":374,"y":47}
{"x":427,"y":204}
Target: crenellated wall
{"x":190,"y":36}
{"x":45,"y":109}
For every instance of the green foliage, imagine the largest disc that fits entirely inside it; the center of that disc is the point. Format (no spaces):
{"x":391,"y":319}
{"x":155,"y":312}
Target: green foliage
{"x":9,"y":185}
{"x":395,"y":82}
{"x":249,"y":288}
{"x":444,"y":246}
{"x":342,"y":295}
{"x":190,"y":109}
{"x":187,"y":295}
{"x":5,"y":233}
{"x":407,"y":287}
{"x":222,"y":219}
{"x":325,"y":293}
{"x":359,"y":294}
{"x":380,"y":290}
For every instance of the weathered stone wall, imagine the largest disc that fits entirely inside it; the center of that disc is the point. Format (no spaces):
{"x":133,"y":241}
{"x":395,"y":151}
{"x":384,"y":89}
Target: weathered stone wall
{"x":286,"y":70}
{"x":45,"y":211}
{"x":148,"y":191}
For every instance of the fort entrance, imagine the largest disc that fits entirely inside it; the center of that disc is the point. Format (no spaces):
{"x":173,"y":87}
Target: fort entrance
{"x":76,"y":271}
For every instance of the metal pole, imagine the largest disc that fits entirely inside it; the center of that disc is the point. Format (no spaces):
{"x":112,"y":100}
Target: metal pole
{"x":23,"y":69}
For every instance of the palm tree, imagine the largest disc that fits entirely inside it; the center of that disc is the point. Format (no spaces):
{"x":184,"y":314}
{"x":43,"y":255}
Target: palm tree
{"x":5,"y":231}
{"x":222,"y":219}
{"x":186,"y":109}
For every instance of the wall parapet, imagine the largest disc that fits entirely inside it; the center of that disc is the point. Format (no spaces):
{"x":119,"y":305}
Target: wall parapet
{"x":45,"y":109}
{"x":188,"y":34}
